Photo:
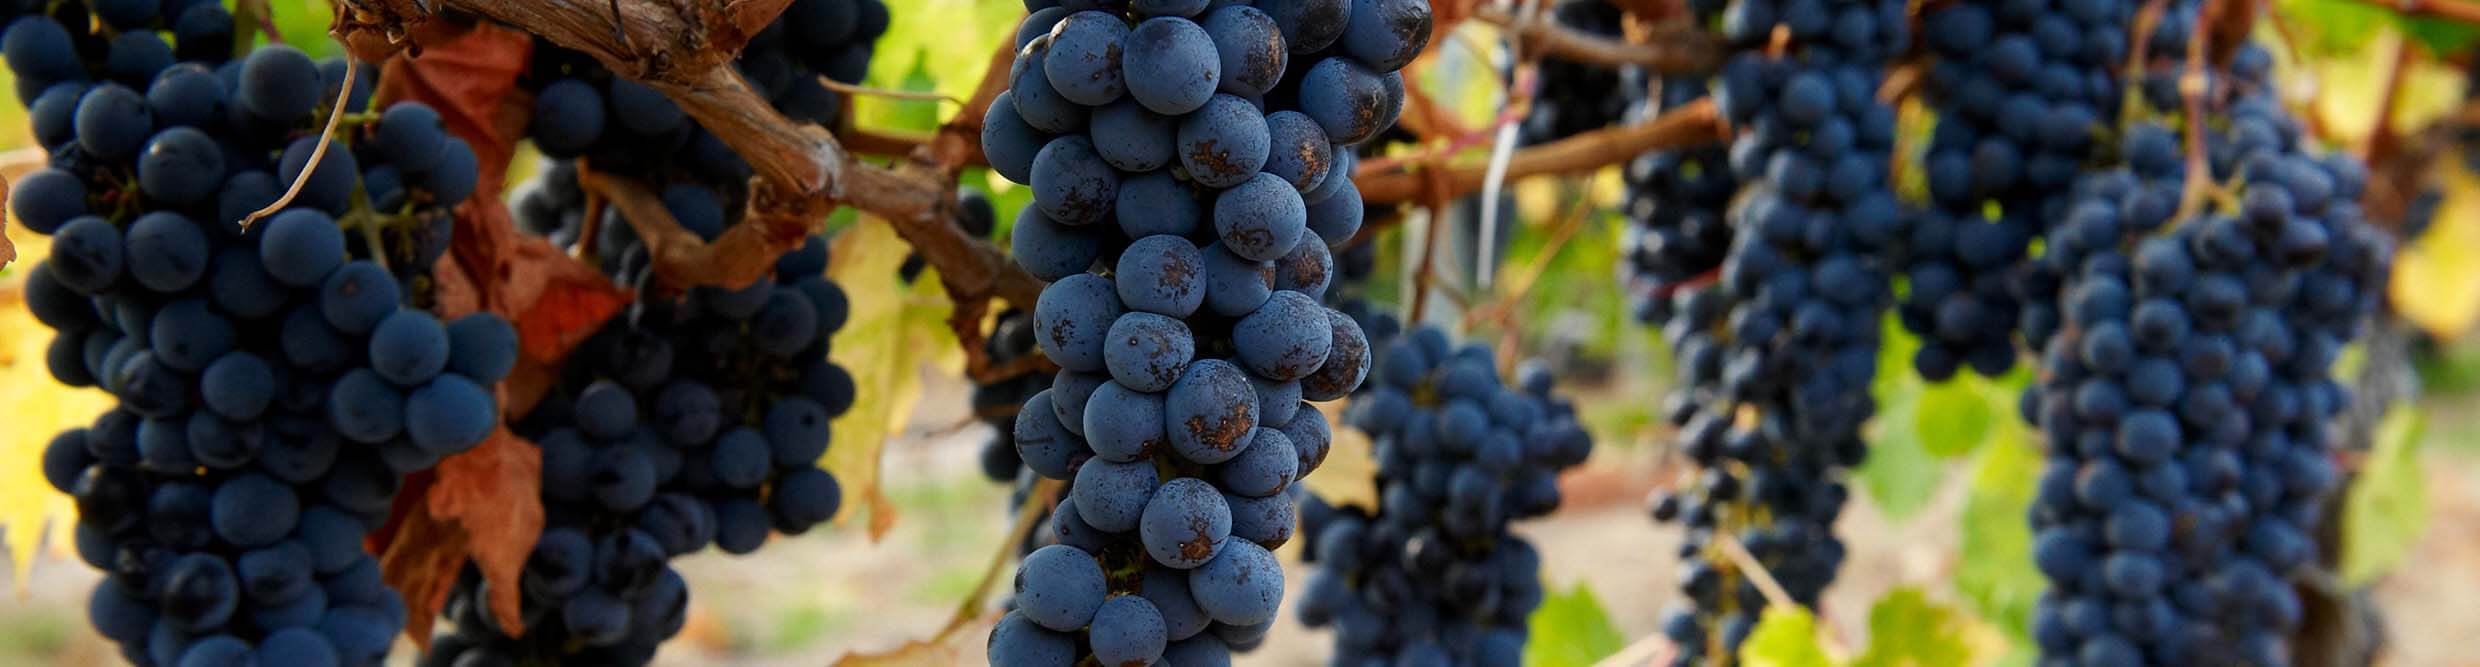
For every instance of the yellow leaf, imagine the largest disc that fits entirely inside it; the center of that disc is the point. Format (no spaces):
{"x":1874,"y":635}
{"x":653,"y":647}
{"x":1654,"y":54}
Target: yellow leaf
{"x":2436,"y":282}
{"x":35,"y":407}
{"x":894,"y":330}
{"x":1350,"y":474}
{"x":2347,"y":88}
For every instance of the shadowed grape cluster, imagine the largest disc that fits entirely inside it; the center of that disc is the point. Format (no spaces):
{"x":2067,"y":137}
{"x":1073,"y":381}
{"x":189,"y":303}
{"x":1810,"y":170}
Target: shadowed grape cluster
{"x":272,"y":386}
{"x":1431,"y":576}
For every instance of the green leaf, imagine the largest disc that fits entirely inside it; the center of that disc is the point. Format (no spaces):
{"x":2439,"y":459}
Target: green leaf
{"x":1907,"y":630}
{"x":1571,"y":630}
{"x":2334,"y":26}
{"x":1996,"y":577}
{"x":1785,"y":637}
{"x":894,"y":330}
{"x":2387,"y":505}
{"x":2441,"y":36}
{"x":1952,"y":418}
{"x":1899,"y":473}
{"x":946,"y":44}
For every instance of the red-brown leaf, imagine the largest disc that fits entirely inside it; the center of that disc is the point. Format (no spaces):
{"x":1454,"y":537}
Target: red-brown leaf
{"x":483,"y":505}
{"x":470,"y":80}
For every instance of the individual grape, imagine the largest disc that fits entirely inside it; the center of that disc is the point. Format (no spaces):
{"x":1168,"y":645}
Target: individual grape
{"x":1131,"y":138}
{"x":1112,"y":496}
{"x":38,"y":48}
{"x":1299,"y":153}
{"x":1018,"y":641}
{"x":454,"y":179}
{"x":1072,"y":184}
{"x":1171,"y":65}
{"x":1286,"y":339}
{"x":254,"y":511}
{"x":1387,"y":34}
{"x":113,"y":122}
{"x":1049,"y":250}
{"x":1073,"y":320}
{"x":1242,"y":585}
{"x":1212,"y":409}
{"x":1185,"y":523}
{"x":1126,"y":630}
{"x":86,"y":254}
{"x":1039,"y":104}
{"x":1146,"y":352}
{"x":1223,"y":143}
{"x":277,"y":84}
{"x":180,"y":166}
{"x":1155,"y":203}
{"x":1084,"y":59}
{"x":409,"y":347}
{"x":1260,"y":219}
{"x":482,"y":347}
{"x":1060,"y":588}
{"x":364,"y":408}
{"x":165,"y":252}
{"x":1266,"y":468}
{"x":1250,"y":47}
{"x":238,"y":386}
{"x":450,"y":414}
{"x":1309,"y":26}
{"x":48,"y":198}
{"x":301,"y":247}
{"x":330,"y":184}
{"x":357,"y":296}
{"x":1010,"y":143}
{"x":1346,"y":99}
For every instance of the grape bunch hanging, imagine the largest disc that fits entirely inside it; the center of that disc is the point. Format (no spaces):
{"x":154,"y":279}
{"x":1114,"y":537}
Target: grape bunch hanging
{"x":274,"y":382}
{"x":1187,"y":189}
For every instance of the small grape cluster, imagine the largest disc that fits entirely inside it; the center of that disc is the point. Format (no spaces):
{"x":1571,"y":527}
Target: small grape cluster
{"x":1187,"y":190}
{"x":1677,"y":202}
{"x":2187,"y":397}
{"x":1571,"y":97}
{"x":273,"y":385}
{"x":1431,"y":576}
{"x":2020,"y":90}
{"x":688,"y":420}
{"x":1777,"y":354}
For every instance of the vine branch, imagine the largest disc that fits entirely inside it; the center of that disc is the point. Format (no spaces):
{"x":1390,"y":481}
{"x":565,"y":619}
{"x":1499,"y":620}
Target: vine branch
{"x":679,"y":47}
{"x":1674,"y":50}
{"x":1684,"y":126}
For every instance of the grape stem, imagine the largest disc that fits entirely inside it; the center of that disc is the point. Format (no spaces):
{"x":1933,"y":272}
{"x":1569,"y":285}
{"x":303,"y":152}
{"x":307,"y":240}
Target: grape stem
{"x":1037,"y":506}
{"x":1680,"y":49}
{"x":1687,"y":125}
{"x":850,"y":89}
{"x":344,"y":94}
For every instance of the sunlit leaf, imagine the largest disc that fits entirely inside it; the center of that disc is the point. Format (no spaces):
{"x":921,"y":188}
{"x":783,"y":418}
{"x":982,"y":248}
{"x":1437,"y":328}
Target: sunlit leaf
{"x":1908,"y":630}
{"x":939,"y":45}
{"x":1350,"y":474}
{"x":35,"y":407}
{"x":1571,"y":630}
{"x":895,"y":329}
{"x":2436,"y":282}
{"x":1953,"y":417}
{"x":2387,"y":505}
{"x":1995,"y":576}
{"x":1785,"y":637}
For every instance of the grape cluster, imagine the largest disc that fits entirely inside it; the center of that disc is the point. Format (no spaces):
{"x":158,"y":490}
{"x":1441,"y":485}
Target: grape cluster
{"x":1776,"y":355}
{"x":273,"y":385}
{"x":682,"y":423}
{"x":2021,"y":89}
{"x":1572,"y":98}
{"x":1190,"y":172}
{"x":2187,"y":395}
{"x":1431,"y":576}
{"x":1677,"y":202}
